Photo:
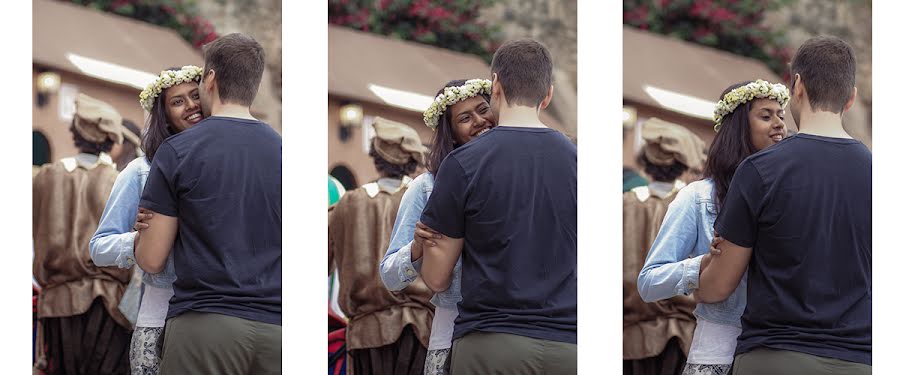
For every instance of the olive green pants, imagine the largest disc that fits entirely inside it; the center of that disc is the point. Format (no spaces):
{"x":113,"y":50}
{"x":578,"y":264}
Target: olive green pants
{"x":764,"y":361}
{"x":501,"y":353}
{"x":202,"y":343}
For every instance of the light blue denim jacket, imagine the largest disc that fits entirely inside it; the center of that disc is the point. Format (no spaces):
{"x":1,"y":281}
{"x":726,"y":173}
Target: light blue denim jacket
{"x":113,"y":243}
{"x":397,"y":269}
{"x":673,"y":263}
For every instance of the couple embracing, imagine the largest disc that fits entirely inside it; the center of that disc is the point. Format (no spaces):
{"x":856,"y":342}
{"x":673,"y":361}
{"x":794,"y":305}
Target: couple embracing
{"x":775,"y":244}
{"x":491,"y":228}
{"x":201,"y":216}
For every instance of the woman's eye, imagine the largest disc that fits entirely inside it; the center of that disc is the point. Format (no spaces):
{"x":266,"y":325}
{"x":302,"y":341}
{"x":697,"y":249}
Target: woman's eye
{"x":766,"y":118}
{"x":482,"y":110}
{"x":176,"y":102}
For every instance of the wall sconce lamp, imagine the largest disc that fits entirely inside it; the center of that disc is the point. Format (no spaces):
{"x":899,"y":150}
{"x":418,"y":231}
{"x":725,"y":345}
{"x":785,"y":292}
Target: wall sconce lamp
{"x":351,"y":116}
{"x":629,"y":117}
{"x":47,"y":84}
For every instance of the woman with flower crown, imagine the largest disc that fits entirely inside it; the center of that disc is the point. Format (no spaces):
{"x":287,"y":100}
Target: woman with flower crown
{"x":748,"y":118}
{"x":173,"y":102}
{"x":460,"y":112}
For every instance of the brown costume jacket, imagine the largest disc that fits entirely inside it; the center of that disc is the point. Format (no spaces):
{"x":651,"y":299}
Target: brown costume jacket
{"x":359,"y":232}
{"x":649,"y":326}
{"x":67,"y":206}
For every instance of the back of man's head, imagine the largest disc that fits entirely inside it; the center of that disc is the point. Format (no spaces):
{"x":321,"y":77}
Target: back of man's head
{"x":524,"y":69}
{"x":827,"y":68}
{"x":238,"y":61}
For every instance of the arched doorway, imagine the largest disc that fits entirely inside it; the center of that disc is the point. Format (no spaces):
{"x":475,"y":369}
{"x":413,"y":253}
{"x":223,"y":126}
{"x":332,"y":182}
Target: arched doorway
{"x":40,"y":149}
{"x":345,"y":176}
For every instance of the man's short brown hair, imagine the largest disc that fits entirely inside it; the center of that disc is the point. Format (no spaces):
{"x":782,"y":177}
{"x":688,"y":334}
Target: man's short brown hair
{"x":238,"y":61}
{"x":525,"y":71}
{"x":827,"y":67}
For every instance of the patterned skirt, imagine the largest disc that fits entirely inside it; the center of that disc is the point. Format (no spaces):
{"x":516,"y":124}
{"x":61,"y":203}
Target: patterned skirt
{"x":696,"y":369}
{"x":146,"y":348}
{"x":437,"y":362}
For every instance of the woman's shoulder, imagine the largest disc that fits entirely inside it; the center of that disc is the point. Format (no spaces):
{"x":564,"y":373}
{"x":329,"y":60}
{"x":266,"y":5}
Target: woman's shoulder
{"x":701,"y":188}
{"x":133,"y":171}
{"x":422,"y":181}
{"x":136,"y":166}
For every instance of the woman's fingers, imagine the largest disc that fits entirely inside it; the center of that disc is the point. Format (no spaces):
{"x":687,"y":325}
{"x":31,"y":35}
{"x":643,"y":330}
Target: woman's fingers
{"x":714,"y":245}
{"x":420,"y":226}
{"x":144,"y":216}
{"x":141,"y":226}
{"x":424,"y":238}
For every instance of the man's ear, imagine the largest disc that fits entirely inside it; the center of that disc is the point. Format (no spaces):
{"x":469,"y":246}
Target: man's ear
{"x":546,"y":101}
{"x":798,"y":90}
{"x":850,"y":102}
{"x":209,"y":80}
{"x":496,"y":90}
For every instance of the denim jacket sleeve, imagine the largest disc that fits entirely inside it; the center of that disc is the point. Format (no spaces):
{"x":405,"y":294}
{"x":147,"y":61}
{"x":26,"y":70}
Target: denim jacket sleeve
{"x":113,"y":243}
{"x":397,"y":268}
{"x":669,"y":269}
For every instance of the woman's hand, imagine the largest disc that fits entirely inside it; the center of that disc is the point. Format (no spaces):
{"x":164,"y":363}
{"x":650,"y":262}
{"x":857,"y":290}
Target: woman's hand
{"x":713,"y":251}
{"x":714,"y":244}
{"x":426,"y":235}
{"x":141,"y":222}
{"x":142,"y":219}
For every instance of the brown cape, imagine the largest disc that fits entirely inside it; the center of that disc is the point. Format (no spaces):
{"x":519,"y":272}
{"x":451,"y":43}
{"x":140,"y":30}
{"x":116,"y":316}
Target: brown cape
{"x":649,"y":326}
{"x":66,"y":211}
{"x":359,"y":232}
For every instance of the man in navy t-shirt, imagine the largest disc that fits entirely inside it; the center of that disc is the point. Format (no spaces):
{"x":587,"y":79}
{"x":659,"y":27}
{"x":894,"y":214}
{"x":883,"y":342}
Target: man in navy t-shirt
{"x":507,"y":202}
{"x":800,"y":215}
{"x":215,"y":190}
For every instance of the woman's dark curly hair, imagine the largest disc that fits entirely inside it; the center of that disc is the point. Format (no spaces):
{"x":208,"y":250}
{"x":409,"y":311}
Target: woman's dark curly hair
{"x":731,"y":145}
{"x":661,"y":173}
{"x":392,"y":170}
{"x":442,"y":143}
{"x":86,"y":146}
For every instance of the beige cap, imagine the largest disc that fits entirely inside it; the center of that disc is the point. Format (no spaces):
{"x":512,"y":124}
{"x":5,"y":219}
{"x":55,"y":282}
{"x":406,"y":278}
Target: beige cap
{"x":397,"y":143}
{"x":97,"y":121}
{"x":667,"y":142}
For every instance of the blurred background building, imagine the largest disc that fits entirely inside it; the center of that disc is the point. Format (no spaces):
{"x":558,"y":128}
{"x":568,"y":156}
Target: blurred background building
{"x":678,"y":56}
{"x":112,"y":49}
{"x":389,"y":58}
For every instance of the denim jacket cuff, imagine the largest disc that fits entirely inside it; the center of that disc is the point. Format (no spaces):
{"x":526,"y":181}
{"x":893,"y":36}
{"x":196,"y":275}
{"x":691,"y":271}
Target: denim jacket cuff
{"x":690,"y":279}
{"x":126,"y":250}
{"x":409,"y":270}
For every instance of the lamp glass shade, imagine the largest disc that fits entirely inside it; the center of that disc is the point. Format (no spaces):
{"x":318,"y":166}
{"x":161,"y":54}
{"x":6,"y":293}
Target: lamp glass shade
{"x":351,"y":115}
{"x":48,"y":82}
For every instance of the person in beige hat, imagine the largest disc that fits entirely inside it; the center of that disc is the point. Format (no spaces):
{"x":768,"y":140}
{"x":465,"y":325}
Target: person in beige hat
{"x":385,"y":329}
{"x":82,"y":326}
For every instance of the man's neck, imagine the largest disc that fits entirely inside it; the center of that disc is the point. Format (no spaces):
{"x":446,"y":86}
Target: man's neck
{"x":232,"y":110}
{"x":822,"y":123}
{"x":520,"y":117}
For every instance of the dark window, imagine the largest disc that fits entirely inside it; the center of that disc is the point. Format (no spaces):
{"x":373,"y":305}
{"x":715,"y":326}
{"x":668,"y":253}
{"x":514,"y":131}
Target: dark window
{"x":40,"y":149}
{"x":345,"y":176}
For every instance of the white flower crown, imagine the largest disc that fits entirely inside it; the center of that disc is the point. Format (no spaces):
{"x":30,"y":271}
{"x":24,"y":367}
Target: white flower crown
{"x":758,"y":89}
{"x":453,"y":95}
{"x":166,"y":79}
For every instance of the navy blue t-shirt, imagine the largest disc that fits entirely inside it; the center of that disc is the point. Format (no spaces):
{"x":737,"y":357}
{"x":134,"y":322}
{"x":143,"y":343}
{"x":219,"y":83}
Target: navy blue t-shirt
{"x":805,"y":207}
{"x":511,"y":194}
{"x":222,"y":180}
